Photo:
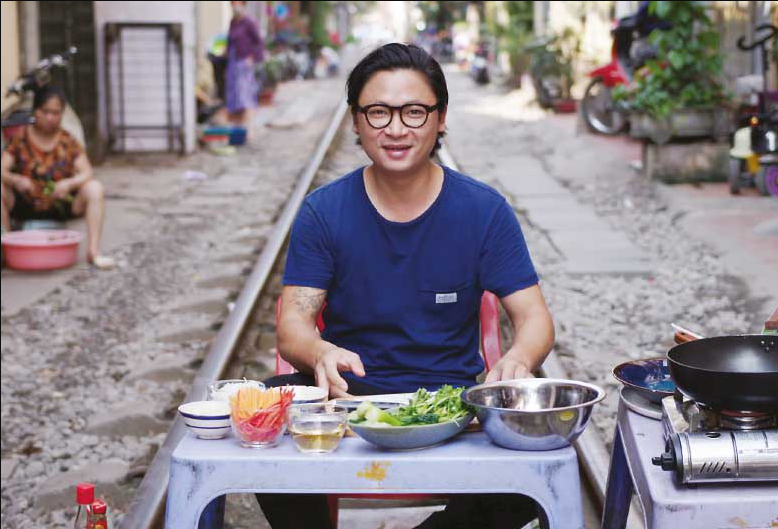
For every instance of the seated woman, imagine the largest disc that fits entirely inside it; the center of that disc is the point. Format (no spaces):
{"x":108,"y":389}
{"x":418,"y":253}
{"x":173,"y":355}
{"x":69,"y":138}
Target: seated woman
{"x":47,"y":175}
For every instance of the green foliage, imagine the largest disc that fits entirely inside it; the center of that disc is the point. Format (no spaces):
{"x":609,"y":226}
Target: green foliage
{"x":520,"y":15}
{"x":774,"y":53}
{"x":318,"y":24}
{"x":514,"y":36}
{"x":270,"y":71}
{"x":442,"y":14}
{"x":686,"y":72}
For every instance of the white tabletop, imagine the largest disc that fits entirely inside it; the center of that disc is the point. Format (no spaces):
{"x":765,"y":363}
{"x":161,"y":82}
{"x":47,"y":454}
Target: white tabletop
{"x":202,"y":470}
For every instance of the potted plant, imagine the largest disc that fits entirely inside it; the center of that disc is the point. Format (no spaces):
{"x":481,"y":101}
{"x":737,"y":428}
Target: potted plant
{"x":269,"y":74}
{"x":680,"y":91}
{"x":551,"y":68}
{"x":513,"y":32}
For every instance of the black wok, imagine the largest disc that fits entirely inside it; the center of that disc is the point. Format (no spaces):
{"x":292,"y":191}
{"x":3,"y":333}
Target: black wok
{"x":738,"y":373}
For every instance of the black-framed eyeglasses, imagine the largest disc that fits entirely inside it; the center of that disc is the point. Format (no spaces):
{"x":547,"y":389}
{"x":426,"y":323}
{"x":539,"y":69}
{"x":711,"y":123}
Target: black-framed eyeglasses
{"x":413,"y":115}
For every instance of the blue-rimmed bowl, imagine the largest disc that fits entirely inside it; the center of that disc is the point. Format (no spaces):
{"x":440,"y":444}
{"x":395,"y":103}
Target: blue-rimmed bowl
{"x":650,"y":377}
{"x":207,"y":419}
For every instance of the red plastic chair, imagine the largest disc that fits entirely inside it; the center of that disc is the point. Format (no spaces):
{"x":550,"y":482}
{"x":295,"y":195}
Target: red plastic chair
{"x":490,"y":348}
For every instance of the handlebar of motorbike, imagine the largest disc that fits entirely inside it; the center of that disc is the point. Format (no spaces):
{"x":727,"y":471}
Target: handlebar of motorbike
{"x":540,"y":43}
{"x":29,"y":80}
{"x":773,"y":31}
{"x":56,"y":59}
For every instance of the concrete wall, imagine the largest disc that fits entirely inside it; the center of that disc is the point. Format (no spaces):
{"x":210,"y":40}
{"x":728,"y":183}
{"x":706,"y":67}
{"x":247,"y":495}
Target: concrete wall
{"x":734,"y":20}
{"x":591,"y":21}
{"x":396,"y":16}
{"x":623,"y":8}
{"x":10,"y":60}
{"x":151,"y":12}
{"x":212,"y":18}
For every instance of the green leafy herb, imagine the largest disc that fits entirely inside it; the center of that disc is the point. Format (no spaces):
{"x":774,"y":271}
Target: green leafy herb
{"x":424,"y":408}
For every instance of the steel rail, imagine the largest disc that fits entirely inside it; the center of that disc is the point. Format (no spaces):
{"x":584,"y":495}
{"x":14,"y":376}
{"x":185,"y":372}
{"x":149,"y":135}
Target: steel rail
{"x":593,"y":457}
{"x":147,"y":505}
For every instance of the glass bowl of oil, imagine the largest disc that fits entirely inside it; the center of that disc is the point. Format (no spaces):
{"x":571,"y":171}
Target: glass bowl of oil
{"x":317,"y":428}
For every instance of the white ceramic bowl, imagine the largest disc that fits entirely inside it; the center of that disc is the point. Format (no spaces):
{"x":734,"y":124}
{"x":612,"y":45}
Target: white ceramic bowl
{"x":207,"y":419}
{"x":224,"y":389}
{"x":308,"y":395}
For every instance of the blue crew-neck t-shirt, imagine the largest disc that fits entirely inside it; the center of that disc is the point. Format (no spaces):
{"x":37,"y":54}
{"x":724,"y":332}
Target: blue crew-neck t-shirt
{"x":405,"y":296}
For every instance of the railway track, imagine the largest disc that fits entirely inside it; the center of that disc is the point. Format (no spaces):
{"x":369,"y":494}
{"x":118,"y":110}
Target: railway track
{"x":148,"y":504}
{"x":254,"y":310}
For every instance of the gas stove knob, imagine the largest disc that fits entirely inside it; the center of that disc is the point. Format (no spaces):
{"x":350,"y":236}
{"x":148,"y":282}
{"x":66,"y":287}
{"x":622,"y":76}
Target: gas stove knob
{"x":666,"y":461}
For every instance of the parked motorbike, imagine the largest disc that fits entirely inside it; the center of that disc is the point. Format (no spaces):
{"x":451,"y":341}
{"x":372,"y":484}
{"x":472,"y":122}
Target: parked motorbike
{"x":545,"y":70}
{"x":302,"y":58}
{"x":754,"y":155}
{"x":294,"y":52}
{"x":630,"y":50}
{"x":443,"y":49}
{"x":25,"y":86}
{"x":479,"y":67}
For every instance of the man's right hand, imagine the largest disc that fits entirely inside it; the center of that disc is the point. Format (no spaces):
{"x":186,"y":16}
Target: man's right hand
{"x":328,"y":367}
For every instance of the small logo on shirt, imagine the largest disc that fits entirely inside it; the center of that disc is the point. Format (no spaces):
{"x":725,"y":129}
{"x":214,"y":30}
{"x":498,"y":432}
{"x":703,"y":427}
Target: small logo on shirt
{"x":446,"y":298}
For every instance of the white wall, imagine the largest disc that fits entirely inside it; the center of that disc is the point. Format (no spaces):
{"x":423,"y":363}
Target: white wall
{"x":213,"y":17}
{"x":150,"y":12}
{"x":10,"y":49}
{"x":625,"y":8}
{"x":594,"y":35}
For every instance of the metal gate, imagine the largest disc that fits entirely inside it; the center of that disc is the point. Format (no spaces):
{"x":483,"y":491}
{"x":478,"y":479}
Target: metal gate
{"x":145,"y":87}
{"x":62,"y":25}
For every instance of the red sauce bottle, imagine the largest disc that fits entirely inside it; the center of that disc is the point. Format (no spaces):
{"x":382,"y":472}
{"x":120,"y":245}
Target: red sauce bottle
{"x":85,"y":495}
{"x":99,"y":519}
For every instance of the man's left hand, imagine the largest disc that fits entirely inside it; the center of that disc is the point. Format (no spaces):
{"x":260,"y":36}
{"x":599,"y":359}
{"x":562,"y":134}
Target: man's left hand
{"x":61,"y":190}
{"x":508,"y":368}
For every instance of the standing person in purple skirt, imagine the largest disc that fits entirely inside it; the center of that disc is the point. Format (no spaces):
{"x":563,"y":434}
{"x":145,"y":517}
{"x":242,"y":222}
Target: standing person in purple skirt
{"x":244,"y":49}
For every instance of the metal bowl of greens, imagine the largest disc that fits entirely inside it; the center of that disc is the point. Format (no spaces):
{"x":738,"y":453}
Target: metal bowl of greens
{"x":427,"y":419}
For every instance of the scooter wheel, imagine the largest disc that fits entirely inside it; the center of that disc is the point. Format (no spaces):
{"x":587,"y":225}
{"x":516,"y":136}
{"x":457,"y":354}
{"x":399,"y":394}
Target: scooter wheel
{"x":767,"y":179}
{"x":599,"y":111}
{"x":733,"y":176}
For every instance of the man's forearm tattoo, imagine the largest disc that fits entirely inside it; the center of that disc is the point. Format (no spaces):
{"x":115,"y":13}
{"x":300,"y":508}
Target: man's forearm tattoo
{"x":308,"y":300}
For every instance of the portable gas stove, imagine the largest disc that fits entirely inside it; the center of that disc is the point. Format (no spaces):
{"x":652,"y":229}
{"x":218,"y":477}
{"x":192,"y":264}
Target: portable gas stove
{"x":704,"y":445}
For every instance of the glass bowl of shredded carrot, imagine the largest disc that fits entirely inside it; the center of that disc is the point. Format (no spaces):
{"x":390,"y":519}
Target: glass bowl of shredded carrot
{"x":259,"y":417}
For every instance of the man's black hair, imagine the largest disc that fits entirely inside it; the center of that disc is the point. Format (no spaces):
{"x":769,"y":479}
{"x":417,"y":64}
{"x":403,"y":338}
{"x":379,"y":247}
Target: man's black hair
{"x":42,"y":96}
{"x":398,"y":56}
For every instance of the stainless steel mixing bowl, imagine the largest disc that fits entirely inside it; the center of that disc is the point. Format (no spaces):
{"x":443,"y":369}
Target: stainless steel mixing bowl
{"x":533,"y":413}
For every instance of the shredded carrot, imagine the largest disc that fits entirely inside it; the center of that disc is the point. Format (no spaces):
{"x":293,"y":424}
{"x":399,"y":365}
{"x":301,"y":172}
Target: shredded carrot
{"x":248,"y":401}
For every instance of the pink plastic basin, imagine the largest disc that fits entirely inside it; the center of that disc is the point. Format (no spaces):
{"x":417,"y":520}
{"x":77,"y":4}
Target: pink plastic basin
{"x":41,"y":249}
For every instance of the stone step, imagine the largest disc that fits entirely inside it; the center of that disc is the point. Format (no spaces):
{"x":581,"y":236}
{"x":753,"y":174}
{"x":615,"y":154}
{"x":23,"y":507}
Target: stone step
{"x":167,"y":367}
{"x":135,"y":418}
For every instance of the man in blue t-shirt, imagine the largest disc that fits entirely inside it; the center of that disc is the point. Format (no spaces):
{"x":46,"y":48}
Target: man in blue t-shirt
{"x":402,"y":250}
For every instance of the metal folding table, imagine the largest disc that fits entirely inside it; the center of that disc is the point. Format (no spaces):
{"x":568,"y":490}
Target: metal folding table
{"x":665,"y":502}
{"x":201,"y":471}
